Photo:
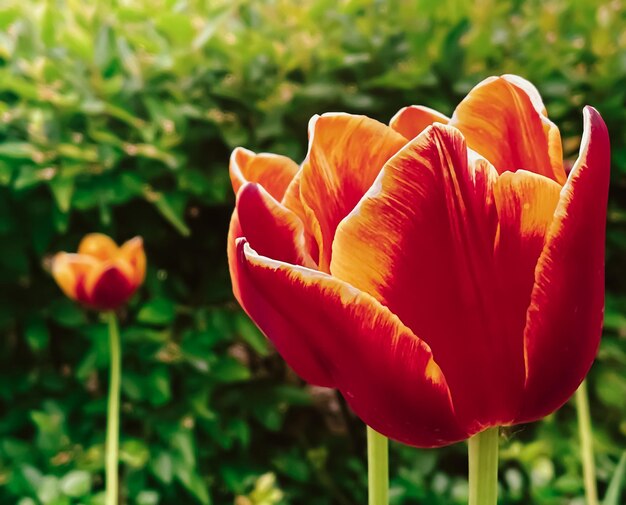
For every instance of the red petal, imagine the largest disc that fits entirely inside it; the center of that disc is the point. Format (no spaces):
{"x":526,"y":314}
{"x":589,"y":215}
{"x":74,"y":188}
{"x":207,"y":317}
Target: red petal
{"x":565,"y":317}
{"x":334,"y":335}
{"x":346,"y":154}
{"x":504,"y":120}
{"x":110,"y":286}
{"x":422,"y":242}
{"x":270,"y":227}
{"x":411,"y":121}
{"x":526,"y":204}
{"x":272,"y":171}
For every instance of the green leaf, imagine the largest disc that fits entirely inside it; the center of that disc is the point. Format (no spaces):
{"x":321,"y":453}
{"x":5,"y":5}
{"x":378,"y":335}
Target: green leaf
{"x":37,"y":334}
{"x":159,"y":311}
{"x":62,"y":190}
{"x":147,"y":497}
{"x":172,"y":208}
{"x":163,"y":467}
{"x":76,"y":483}
{"x":67,"y":313}
{"x":20,"y":150}
{"x":159,"y":387}
{"x":193,"y":483}
{"x":230,"y":370}
{"x":251,"y":335}
{"x":134,"y":453}
{"x":614,"y":491}
{"x":48,"y":490}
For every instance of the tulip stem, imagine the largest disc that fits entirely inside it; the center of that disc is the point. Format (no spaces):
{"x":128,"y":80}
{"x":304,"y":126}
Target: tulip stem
{"x":377,"y":468}
{"x":483,"y":468}
{"x":113,"y":413}
{"x":586,"y":444}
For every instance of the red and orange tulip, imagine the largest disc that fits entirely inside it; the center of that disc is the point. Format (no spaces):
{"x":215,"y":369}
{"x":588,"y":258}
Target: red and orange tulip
{"x":445,"y":274}
{"x":101,"y":275}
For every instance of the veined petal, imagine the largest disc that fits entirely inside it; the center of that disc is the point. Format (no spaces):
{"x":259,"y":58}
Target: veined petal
{"x":333,"y":334}
{"x":421,"y":241}
{"x":272,"y":171}
{"x":564,"y":321}
{"x":270,"y":227}
{"x":412,"y":120}
{"x":504,"y":120}
{"x":346,"y":154}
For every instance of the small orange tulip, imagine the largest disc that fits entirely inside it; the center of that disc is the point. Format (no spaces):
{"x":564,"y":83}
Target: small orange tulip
{"x":445,"y":274}
{"x":101,"y":275}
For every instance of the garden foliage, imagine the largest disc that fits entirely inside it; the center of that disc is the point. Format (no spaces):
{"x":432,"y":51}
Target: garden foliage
{"x":120,"y":118}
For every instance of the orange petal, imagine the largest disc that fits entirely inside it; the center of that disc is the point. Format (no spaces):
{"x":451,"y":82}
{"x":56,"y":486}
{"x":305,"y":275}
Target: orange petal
{"x":69,"y":272}
{"x":98,"y":245}
{"x":270,"y":227}
{"x":346,"y":153}
{"x":293,"y":202}
{"x":272,"y":171}
{"x":564,"y":320}
{"x":412,"y":120}
{"x":335,"y":335}
{"x":504,"y":120}
{"x":133,"y":252}
{"x":234,"y":232}
{"x":421,"y":242}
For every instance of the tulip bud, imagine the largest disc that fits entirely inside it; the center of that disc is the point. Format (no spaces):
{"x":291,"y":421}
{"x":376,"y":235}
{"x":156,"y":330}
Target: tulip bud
{"x":101,"y":275}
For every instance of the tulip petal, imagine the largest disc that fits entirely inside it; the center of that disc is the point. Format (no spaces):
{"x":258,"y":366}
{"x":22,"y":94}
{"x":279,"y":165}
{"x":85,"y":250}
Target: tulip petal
{"x":421,"y":241}
{"x":504,"y":120}
{"x":98,"y":245}
{"x":234,"y":233}
{"x":132,"y":251}
{"x":346,"y":154}
{"x":109,"y":285}
{"x":333,"y":334}
{"x":69,"y":272}
{"x":293,"y":202}
{"x":526,"y":203}
{"x":412,"y":120}
{"x":272,"y":171}
{"x":564,"y":320}
{"x":270,"y":227}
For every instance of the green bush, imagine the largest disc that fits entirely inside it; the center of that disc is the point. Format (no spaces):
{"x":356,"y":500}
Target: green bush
{"x":121,"y":119}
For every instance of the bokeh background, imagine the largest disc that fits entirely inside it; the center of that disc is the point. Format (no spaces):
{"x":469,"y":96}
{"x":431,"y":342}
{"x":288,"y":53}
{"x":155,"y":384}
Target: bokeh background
{"x":120,"y":117}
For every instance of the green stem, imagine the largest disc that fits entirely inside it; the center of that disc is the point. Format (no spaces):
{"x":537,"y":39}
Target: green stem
{"x":113,"y":413}
{"x":586,"y":444}
{"x":483,"y":468}
{"x":377,"y":468}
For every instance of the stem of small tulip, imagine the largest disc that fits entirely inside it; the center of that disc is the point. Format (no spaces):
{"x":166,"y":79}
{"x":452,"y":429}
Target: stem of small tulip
{"x":377,"y":468}
{"x":483,"y":467}
{"x":113,"y":413}
{"x":586,"y":444}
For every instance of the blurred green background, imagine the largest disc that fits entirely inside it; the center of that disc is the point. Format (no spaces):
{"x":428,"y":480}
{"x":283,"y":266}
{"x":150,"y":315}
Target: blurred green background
{"x":120,"y":118}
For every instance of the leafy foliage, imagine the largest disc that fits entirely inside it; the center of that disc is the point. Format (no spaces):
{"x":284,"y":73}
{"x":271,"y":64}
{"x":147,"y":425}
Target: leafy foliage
{"x":121,"y":119}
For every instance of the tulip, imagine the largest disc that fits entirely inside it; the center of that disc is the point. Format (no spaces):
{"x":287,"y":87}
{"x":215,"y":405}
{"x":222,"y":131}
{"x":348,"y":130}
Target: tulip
{"x":104,"y":276}
{"x":101,"y":275}
{"x":445,"y":274}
